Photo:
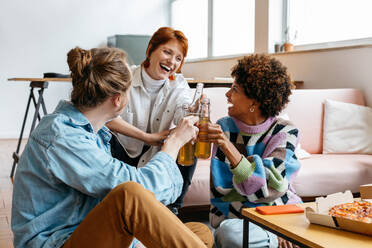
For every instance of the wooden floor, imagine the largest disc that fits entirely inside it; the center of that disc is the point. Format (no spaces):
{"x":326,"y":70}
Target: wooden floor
{"x":7,"y":147}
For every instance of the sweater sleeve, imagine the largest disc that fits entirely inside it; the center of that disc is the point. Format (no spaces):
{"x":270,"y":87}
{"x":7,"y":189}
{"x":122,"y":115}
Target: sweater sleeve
{"x":265,"y":178}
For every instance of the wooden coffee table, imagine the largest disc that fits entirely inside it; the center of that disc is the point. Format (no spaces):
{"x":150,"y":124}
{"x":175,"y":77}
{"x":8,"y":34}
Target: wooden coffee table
{"x":297,"y":229}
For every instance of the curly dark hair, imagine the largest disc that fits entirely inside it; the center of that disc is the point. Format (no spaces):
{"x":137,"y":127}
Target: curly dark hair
{"x":265,"y":80}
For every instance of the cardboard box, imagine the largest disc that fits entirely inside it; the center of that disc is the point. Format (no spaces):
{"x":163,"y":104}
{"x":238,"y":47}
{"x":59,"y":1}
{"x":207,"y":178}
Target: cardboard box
{"x":366,"y":192}
{"x":320,"y":215}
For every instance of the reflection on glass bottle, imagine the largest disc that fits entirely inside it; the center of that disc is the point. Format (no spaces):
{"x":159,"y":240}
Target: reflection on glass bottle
{"x":195,"y":104}
{"x":186,"y":153}
{"x":203,"y":149}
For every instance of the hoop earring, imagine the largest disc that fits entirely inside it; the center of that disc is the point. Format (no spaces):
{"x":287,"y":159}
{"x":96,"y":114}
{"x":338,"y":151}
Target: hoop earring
{"x":251,"y":109}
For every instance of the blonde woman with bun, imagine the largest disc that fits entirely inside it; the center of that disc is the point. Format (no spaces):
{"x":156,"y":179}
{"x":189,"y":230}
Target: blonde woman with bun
{"x":68,"y":189}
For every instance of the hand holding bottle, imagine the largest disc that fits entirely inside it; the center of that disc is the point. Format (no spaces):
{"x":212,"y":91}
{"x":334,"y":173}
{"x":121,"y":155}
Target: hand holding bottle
{"x":216,"y":135}
{"x":186,"y":129}
{"x":182,"y":134}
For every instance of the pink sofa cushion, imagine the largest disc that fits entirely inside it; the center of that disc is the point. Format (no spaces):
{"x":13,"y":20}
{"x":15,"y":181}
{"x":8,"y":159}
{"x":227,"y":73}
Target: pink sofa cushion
{"x":306,"y":108}
{"x":323,"y":174}
{"x":198,"y":193}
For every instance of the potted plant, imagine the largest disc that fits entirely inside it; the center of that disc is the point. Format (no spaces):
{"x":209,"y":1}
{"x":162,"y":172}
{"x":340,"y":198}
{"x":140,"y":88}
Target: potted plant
{"x":288,"y":45}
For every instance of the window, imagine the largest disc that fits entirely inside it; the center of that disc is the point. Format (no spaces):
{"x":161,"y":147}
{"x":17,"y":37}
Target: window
{"x":233,"y":27}
{"x":193,"y":22}
{"x":319,"y":21}
{"x":215,"y":27}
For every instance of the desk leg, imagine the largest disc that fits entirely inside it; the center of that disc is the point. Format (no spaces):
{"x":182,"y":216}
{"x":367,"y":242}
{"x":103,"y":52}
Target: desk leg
{"x":245,"y":233}
{"x":37,"y":115}
{"x":43,"y":105}
{"x":42,"y":86}
{"x":15,"y":154}
{"x":35,"y":104}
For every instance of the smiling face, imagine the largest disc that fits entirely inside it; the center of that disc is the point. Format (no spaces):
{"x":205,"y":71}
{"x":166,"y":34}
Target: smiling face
{"x":165,"y":60}
{"x":239,"y":104}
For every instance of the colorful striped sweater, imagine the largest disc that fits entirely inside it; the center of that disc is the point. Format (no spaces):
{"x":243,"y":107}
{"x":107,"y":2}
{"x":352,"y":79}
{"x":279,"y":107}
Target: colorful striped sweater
{"x":263,"y":176}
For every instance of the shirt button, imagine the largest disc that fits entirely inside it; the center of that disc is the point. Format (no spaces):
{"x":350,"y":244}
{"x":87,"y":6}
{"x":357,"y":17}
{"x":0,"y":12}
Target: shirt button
{"x":157,"y":119}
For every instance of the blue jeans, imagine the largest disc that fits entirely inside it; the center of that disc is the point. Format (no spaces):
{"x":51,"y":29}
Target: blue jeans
{"x":230,"y":235}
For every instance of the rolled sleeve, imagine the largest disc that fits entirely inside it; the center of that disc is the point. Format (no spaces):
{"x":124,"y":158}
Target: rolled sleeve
{"x":243,"y":170}
{"x":81,"y":164}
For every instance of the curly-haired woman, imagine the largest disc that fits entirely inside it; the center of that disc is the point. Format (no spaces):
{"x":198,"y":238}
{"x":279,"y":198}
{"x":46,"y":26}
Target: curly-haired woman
{"x":253,"y":161}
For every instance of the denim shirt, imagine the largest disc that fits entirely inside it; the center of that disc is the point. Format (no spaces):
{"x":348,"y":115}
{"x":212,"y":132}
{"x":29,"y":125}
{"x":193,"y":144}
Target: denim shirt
{"x":66,"y":169}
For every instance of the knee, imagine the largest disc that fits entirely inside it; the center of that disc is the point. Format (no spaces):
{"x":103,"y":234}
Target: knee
{"x":202,"y":231}
{"x":197,"y":227}
{"x":228,"y":234}
{"x":131,"y":188}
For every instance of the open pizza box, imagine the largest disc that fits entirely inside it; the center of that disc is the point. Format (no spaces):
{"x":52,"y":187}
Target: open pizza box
{"x":320,"y":215}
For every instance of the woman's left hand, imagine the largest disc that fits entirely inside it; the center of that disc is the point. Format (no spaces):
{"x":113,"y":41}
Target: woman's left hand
{"x":209,"y":132}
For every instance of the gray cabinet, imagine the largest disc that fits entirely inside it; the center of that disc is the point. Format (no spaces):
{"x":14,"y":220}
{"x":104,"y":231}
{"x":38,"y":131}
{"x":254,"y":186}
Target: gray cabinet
{"x":134,"y":45}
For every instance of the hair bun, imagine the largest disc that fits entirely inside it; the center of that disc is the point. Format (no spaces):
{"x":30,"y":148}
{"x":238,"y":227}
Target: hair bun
{"x":78,"y":59}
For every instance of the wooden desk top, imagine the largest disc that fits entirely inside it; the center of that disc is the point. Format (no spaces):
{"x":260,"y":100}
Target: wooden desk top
{"x":41,"y":79}
{"x":227,"y":83}
{"x":297,"y":226}
{"x":192,"y":83}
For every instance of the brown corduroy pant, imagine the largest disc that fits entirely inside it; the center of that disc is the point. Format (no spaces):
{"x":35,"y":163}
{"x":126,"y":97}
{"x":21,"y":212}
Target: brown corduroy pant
{"x":129,"y":211}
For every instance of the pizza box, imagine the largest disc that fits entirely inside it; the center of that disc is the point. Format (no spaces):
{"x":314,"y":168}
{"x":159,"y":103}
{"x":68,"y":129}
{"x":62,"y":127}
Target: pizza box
{"x":320,"y":215}
{"x":366,"y":192}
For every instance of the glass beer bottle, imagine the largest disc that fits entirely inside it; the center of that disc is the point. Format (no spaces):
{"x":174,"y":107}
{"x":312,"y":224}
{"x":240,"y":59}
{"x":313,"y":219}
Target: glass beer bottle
{"x":203,"y":149}
{"x":195,"y":104}
{"x":186,"y":153}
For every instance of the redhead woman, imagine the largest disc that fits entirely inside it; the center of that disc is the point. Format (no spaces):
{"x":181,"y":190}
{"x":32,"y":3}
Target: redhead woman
{"x":155,"y":104}
{"x":68,"y":189}
{"x":253,"y":161}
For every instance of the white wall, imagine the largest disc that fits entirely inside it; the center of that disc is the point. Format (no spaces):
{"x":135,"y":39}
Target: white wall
{"x":333,"y":68}
{"x":36,"y":35}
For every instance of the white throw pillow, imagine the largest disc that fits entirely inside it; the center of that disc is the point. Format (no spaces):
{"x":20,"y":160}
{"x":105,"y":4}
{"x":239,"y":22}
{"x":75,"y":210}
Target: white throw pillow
{"x":299,"y":152}
{"x":347,"y":128}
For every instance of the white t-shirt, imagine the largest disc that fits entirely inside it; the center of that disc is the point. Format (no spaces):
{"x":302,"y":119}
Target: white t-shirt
{"x":163,"y":114}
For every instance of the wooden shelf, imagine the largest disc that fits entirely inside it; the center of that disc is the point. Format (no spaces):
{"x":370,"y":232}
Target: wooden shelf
{"x":215,"y":83}
{"x":41,"y":79}
{"x":192,"y":83}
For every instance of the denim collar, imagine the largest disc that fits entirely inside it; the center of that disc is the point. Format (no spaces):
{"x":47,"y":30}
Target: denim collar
{"x":77,"y":118}
{"x":68,"y":109}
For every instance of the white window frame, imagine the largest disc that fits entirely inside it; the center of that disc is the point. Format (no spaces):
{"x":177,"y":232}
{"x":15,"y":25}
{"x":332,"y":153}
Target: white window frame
{"x":210,"y":34}
{"x":265,"y":38}
{"x":323,"y":45}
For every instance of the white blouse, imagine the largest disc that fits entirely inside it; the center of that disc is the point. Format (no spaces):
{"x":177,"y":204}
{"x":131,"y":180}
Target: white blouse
{"x":163,"y":114}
